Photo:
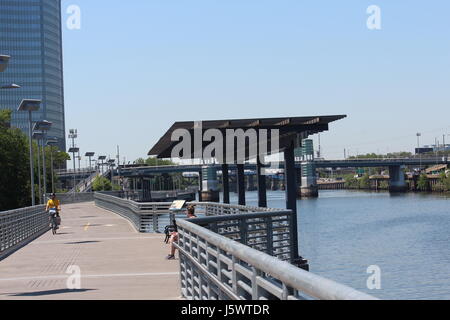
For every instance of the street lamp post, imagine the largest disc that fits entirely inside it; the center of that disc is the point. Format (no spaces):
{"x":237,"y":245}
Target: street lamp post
{"x":43,"y":126}
{"x":30,"y":105}
{"x":90,"y":155}
{"x":73,"y":134}
{"x":74,"y":151}
{"x":51,"y":142}
{"x":418,"y":139}
{"x":38,"y":136}
{"x":102,"y":159}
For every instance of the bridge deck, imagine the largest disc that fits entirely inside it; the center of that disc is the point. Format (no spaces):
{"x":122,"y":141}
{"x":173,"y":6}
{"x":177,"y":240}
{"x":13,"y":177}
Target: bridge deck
{"x":115,"y":261}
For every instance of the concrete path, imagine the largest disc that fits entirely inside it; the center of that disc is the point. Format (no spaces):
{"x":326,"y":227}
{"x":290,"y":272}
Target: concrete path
{"x":114,"y":260}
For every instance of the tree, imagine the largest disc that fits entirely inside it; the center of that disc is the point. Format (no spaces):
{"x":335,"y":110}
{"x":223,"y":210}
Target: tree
{"x":153,"y":162}
{"x":444,"y":181}
{"x":364,"y":182}
{"x":14,"y":159}
{"x":351,"y":182}
{"x":101,"y":184}
{"x":423,"y":184}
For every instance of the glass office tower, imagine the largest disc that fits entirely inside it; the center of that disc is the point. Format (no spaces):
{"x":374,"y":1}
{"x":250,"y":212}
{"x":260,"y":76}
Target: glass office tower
{"x":30,"y":32}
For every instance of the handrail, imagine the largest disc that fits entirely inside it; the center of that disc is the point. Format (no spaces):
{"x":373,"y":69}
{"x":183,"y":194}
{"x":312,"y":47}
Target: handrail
{"x":19,"y":227}
{"x":253,"y":274}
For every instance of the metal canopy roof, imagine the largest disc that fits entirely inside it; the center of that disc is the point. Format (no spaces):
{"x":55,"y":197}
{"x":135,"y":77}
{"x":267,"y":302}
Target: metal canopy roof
{"x":291,"y":129}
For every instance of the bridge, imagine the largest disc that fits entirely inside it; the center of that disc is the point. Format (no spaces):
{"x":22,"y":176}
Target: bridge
{"x":116,"y":247}
{"x":110,"y":247}
{"x":397,"y":179}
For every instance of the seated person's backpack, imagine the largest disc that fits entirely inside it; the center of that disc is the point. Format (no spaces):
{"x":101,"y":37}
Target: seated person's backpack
{"x":169,"y":229}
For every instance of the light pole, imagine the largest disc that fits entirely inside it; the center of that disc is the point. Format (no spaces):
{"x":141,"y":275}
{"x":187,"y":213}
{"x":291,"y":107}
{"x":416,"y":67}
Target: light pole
{"x":102,"y":159}
{"x":73,"y":151}
{"x":73,"y":134}
{"x":43,"y":126}
{"x":90,"y":155}
{"x":38,"y":136}
{"x":30,"y":105}
{"x":51,"y":142}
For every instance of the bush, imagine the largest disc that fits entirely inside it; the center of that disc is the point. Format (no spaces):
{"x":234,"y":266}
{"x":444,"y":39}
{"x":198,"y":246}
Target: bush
{"x":364,"y":182}
{"x":101,"y":184}
{"x":423,"y":184}
{"x":351,"y":182}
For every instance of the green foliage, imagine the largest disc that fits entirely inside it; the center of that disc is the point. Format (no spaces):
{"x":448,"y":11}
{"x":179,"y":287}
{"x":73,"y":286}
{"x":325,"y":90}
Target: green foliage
{"x":423,"y":184}
{"x":364,"y":182}
{"x":5,"y":117}
{"x":101,"y":184}
{"x":14,"y":160}
{"x":384,"y":185}
{"x":153,"y":162}
{"x":444,"y":181}
{"x":351,"y":182}
{"x":401,"y":154}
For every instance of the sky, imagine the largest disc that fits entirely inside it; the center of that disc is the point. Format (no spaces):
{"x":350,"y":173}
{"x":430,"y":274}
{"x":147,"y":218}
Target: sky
{"x":135,"y":67}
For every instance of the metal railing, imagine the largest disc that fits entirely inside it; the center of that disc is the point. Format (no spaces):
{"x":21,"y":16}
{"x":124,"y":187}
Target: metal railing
{"x":73,"y":197}
{"x":19,"y":227}
{"x":220,"y":209}
{"x":268,"y":232}
{"x":213,"y":267}
{"x":146,"y":217}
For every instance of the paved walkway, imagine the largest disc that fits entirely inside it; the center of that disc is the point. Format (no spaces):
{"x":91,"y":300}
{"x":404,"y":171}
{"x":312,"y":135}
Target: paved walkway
{"x":115,"y":261}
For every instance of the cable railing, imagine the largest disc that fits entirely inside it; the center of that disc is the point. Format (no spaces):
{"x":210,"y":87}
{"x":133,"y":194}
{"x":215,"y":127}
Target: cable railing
{"x":19,"y":227}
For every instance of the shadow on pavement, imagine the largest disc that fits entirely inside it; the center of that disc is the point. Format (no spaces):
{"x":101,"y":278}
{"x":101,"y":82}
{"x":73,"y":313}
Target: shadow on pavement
{"x":82,"y":242}
{"x":49,"y":292}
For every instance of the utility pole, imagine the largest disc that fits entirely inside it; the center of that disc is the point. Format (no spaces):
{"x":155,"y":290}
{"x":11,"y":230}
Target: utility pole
{"x":73,"y":134}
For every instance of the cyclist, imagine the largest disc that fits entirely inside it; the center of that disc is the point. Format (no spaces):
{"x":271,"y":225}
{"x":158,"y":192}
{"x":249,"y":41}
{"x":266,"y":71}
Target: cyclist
{"x":53,"y":207}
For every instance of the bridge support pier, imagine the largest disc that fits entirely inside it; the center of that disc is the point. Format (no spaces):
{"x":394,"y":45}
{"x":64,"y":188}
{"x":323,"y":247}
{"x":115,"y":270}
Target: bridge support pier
{"x":209,"y":185}
{"x":308,"y":187}
{"x":397,"y":182}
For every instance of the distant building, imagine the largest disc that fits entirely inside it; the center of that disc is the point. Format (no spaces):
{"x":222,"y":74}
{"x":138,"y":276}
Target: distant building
{"x":30,"y":32}
{"x":424,"y":150}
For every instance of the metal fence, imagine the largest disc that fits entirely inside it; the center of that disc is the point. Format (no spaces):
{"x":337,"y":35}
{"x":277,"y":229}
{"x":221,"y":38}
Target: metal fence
{"x":19,"y":227}
{"x":74,"y":197}
{"x":213,"y":267}
{"x":220,"y":209}
{"x":233,"y":252}
{"x":146,"y":217}
{"x":268,"y":232}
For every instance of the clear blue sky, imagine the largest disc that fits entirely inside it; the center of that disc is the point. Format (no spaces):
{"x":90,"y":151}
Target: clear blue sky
{"x":137,"y":66}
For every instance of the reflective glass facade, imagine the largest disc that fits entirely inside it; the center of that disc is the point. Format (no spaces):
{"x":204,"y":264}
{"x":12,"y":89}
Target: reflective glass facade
{"x":30,"y":32}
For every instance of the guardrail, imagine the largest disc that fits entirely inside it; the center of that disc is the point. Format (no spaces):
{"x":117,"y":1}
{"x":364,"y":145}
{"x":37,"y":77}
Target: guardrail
{"x":146,"y":217}
{"x":233,"y":252}
{"x":213,"y":267}
{"x":220,"y":209}
{"x":268,"y":232}
{"x":19,"y":227}
{"x":73,"y":197}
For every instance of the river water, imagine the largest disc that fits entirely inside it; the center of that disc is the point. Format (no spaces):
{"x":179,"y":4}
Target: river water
{"x":407,"y":236}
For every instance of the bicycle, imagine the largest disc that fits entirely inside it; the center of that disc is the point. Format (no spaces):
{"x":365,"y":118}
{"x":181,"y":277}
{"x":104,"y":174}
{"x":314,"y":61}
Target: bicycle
{"x":54,"y":220}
